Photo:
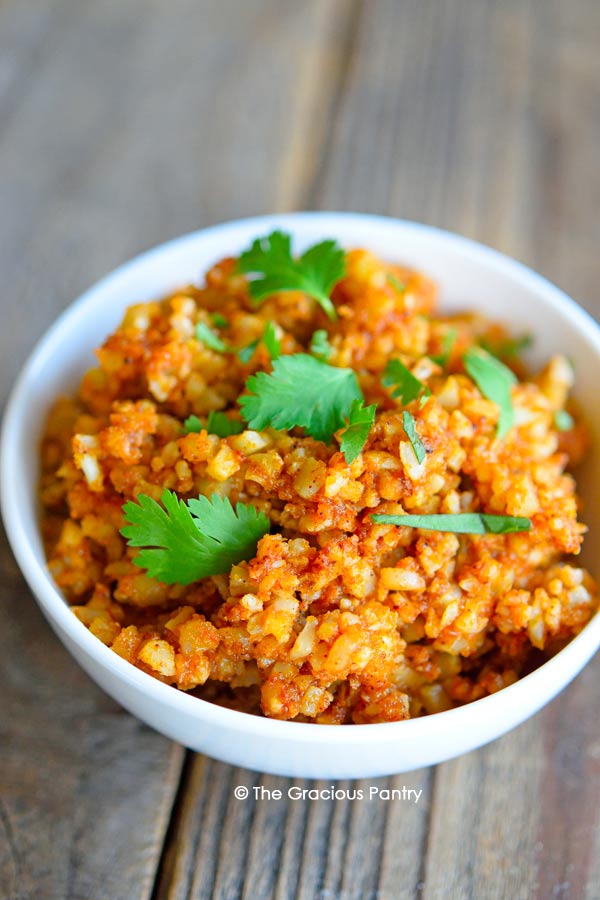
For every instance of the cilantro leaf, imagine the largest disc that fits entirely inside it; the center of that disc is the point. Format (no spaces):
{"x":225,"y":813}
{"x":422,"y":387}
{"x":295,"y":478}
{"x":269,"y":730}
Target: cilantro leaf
{"x":396,"y":283}
{"x":219,"y":321}
{"x":460,"y":523}
{"x":217,"y":423}
{"x":355,"y":436}
{"x":495,"y":381}
{"x":272,"y":269}
{"x":405,"y":385}
{"x":447,"y":344}
{"x":206,"y":336}
{"x":320,"y":346}
{"x":220,"y":424}
{"x":246,"y":353}
{"x":508,"y":348}
{"x":193,"y":425}
{"x":563,"y":421}
{"x":301,"y":391}
{"x":271,"y":340}
{"x":184,"y":542}
{"x":410,"y":427}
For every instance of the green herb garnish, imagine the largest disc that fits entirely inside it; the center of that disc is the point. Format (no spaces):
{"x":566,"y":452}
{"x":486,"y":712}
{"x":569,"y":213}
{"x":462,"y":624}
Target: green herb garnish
{"x":185,"y":541}
{"x":271,"y":341}
{"x":396,"y":283}
{"x":206,"y":336}
{"x":217,"y":423}
{"x":360,"y":422}
{"x":301,"y":391}
{"x":193,"y":425}
{"x":447,"y":345}
{"x":320,"y":346}
{"x":506,"y":349}
{"x":459,"y":523}
{"x":220,"y":424}
{"x":410,"y":427}
{"x":219,"y":321}
{"x":495,"y":381}
{"x":273,"y":269}
{"x":563,"y":421}
{"x":405,"y":385}
{"x":246,"y":353}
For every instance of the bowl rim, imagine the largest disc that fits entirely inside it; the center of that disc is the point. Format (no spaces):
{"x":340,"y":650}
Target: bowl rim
{"x":58,"y":612}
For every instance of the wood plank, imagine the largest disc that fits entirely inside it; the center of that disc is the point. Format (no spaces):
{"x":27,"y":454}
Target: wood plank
{"x":485,"y":820}
{"x":77,"y":775}
{"x":292,"y":846}
{"x":124,"y":124}
{"x":25,"y":40}
{"x":147,"y":122}
{"x":563,"y":145}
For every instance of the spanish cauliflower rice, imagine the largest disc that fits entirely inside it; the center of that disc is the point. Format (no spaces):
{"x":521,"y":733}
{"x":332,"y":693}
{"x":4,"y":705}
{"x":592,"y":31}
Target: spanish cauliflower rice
{"x":336,"y":617}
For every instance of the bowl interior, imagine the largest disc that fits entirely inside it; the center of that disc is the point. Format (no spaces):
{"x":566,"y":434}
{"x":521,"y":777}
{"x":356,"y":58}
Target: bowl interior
{"x":470,"y":277}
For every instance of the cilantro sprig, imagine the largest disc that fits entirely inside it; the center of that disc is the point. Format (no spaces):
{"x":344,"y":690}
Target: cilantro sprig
{"x":183,"y":542}
{"x":562,"y":420}
{"x":269,"y":338}
{"x":410,"y":427}
{"x":217,"y":423}
{"x":220,"y":424}
{"x":272,"y":269}
{"x":207,"y":336}
{"x":360,"y":422}
{"x":404,"y":384}
{"x":495,"y":381}
{"x":301,"y":391}
{"x":448,"y":343}
{"x":396,"y":283}
{"x":507,"y":348}
{"x":246,"y":353}
{"x":193,"y":425}
{"x":320,"y":346}
{"x":459,"y":523}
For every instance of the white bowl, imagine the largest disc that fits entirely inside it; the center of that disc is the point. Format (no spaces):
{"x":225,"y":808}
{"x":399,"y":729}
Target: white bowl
{"x":470,"y":277}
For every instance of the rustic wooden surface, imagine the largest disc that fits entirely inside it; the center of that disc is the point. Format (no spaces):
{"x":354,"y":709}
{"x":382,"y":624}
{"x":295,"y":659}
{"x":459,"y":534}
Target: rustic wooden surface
{"x":126,"y":122}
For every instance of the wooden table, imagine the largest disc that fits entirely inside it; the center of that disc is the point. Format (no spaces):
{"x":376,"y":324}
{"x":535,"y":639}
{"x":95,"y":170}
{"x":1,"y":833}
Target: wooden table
{"x":127,"y":122}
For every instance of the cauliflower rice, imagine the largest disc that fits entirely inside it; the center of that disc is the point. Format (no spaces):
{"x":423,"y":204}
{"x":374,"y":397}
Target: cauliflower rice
{"x":336,"y":619}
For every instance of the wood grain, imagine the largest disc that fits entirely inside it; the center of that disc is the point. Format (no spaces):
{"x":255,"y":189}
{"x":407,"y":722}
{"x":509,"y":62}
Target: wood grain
{"x":77,"y":775}
{"x":290,"y":845}
{"x":144,"y":120}
{"x":125,"y":123}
